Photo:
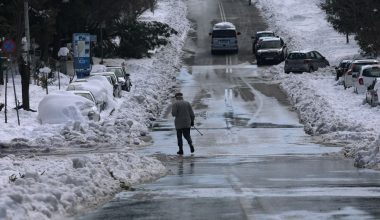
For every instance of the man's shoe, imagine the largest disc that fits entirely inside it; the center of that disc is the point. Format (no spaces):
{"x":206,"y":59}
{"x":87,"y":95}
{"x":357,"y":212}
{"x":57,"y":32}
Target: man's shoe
{"x":191,"y":148}
{"x":180,"y":152}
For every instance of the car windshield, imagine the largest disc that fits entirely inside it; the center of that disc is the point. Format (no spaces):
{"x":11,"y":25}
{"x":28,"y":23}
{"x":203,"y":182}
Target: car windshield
{"x":86,"y":95}
{"x":358,"y":66}
{"x":270,"y":44}
{"x":265,"y":35}
{"x":296,"y":56}
{"x":118,"y":72}
{"x":223,"y":33}
{"x":372,"y":72}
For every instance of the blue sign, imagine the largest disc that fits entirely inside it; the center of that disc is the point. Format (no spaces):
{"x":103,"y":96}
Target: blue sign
{"x":9,"y":46}
{"x":82,"y":56}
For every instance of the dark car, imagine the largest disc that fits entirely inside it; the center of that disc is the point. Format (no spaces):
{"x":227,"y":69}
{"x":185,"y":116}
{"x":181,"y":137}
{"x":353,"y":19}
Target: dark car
{"x":342,"y":68}
{"x":304,"y":61}
{"x":122,"y":75}
{"x":271,"y":49}
{"x":257,"y":37}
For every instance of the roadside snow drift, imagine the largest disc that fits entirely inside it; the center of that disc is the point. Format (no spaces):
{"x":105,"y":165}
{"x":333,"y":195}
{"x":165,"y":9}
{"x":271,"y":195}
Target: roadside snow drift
{"x":93,"y":160}
{"x":329,"y":112}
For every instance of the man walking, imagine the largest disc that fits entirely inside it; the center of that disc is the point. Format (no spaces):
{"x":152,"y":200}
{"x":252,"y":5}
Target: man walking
{"x":184,"y":119}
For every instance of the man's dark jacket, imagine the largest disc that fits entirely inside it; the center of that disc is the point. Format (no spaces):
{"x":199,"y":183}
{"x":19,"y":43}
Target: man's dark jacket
{"x":183,"y":114}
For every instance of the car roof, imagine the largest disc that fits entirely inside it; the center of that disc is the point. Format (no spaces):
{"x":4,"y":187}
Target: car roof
{"x":365,"y":61}
{"x":301,"y":51}
{"x":370,"y":66}
{"x":269,"y":38}
{"x":224,"y":26}
{"x":265,"y":32}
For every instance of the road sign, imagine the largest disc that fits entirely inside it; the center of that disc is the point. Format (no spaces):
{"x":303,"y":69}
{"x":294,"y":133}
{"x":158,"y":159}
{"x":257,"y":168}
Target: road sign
{"x":9,"y":46}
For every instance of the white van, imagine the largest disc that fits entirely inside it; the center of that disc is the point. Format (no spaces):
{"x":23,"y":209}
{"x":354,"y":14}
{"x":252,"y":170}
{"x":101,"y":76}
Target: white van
{"x":224,"y":38}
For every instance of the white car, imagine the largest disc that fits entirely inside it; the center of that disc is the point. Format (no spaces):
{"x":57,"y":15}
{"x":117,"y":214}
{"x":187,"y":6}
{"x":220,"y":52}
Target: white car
{"x":114,"y":80}
{"x":353,"y":71}
{"x":63,"y":107}
{"x":98,"y":85}
{"x":373,"y":93}
{"x":88,"y":95}
{"x":366,"y":77}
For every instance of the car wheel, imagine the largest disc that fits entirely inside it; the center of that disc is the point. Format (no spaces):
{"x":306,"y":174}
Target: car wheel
{"x":287,"y":72}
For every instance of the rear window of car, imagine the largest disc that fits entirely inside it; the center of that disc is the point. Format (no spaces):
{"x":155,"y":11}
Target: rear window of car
{"x":264,"y":35}
{"x":297,"y":56}
{"x":358,"y":66}
{"x":270,"y":44}
{"x":372,"y":72}
{"x":224,"y":33}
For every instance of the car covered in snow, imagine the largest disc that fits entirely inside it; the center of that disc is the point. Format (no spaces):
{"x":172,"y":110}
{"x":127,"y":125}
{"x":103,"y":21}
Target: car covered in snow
{"x":88,"y":95}
{"x":353,"y":71}
{"x":271,"y":49}
{"x":99,"y":86}
{"x":122,"y":75}
{"x":62,"y":107}
{"x":373,"y":93}
{"x":366,"y":77}
{"x":113,"y":79}
{"x":304,"y":61}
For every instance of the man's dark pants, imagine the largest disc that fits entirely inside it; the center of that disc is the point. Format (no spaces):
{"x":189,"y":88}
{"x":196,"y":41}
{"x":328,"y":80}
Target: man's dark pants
{"x":186,"y":134}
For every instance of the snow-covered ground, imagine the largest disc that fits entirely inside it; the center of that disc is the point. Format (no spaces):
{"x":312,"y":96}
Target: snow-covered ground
{"x":72,"y":166}
{"x":329,"y":112}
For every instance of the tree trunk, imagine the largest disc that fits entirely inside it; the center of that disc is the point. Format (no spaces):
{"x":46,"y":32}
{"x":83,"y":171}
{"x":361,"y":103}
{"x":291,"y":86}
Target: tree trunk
{"x":25,"y":80}
{"x":347,"y":39}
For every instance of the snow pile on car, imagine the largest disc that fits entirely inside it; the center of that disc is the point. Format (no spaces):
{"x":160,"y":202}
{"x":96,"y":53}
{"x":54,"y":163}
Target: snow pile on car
{"x":63,"y":107}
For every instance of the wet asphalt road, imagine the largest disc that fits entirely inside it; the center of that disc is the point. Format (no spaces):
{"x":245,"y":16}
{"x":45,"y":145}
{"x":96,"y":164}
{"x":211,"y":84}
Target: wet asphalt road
{"x":254,"y":160}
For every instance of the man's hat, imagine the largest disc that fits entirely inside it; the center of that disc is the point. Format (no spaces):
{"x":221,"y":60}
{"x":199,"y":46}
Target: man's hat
{"x":178,"y":94}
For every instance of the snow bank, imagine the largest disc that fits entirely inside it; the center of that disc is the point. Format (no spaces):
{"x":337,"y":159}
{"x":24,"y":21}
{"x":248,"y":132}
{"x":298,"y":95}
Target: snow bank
{"x":44,"y":187}
{"x":303,"y":25}
{"x":329,"y":112}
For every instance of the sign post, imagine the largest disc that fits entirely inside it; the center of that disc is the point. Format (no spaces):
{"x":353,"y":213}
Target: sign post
{"x":9,"y":47}
{"x":82,"y":54}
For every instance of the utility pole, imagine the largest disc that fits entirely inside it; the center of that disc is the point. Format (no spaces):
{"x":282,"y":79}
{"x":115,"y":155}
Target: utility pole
{"x":27,"y":33}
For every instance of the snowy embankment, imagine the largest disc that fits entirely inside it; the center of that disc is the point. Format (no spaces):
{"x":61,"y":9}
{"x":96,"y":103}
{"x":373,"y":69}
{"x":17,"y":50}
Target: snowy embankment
{"x":328,"y":111}
{"x":103,"y":162}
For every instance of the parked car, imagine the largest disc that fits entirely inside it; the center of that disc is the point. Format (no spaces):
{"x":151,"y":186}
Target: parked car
{"x":114,"y":81}
{"x":122,"y":75}
{"x":99,"y":86}
{"x":224,"y":38}
{"x":353,"y":71}
{"x":366,"y":77}
{"x":342,"y":68}
{"x":304,"y":61}
{"x":64,"y":107}
{"x":373,"y":93}
{"x":88,"y":95}
{"x":257,"y":37}
{"x":271,"y":49}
